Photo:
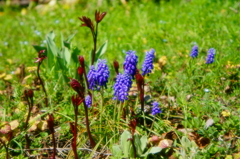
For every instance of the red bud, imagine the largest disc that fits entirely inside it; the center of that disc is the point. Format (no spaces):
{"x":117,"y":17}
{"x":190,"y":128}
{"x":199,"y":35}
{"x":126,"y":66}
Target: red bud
{"x":81,"y":61}
{"x":116,"y":66}
{"x":75,"y":85}
{"x":76,"y":100}
{"x":99,"y":17}
{"x":30,"y":93}
{"x":50,"y":122}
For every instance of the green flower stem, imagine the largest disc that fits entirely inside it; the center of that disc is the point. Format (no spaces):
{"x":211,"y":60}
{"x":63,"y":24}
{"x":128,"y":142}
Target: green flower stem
{"x":101,"y":110}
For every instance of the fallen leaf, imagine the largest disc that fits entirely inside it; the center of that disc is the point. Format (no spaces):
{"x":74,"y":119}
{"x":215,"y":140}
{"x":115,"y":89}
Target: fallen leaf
{"x":226,"y":113}
{"x":209,"y":123}
{"x":14,"y":124}
{"x":203,"y":142}
{"x":193,"y":136}
{"x":185,"y":130}
{"x":162,"y":61}
{"x":170,"y":135}
{"x":165,"y":143}
{"x":154,"y":139}
{"x":5,"y":128}
{"x":228,"y":136}
{"x":8,"y":77}
{"x":2,"y":75}
{"x":43,"y":125}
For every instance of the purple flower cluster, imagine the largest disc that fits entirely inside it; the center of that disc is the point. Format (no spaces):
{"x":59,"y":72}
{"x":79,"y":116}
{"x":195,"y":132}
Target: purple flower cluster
{"x":130,"y":63}
{"x":102,"y":73}
{"x":88,"y":101}
{"x":99,"y":77}
{"x":147,"y":66}
{"x":155,"y":109}
{"x":92,"y":78}
{"x":122,"y":86}
{"x":194,"y":52}
{"x":210,"y":57}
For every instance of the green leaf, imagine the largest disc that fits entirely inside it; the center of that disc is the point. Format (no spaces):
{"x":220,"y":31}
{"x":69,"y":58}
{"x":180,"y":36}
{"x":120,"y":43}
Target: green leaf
{"x":101,"y":51}
{"x":137,"y":143}
{"x":116,"y":150}
{"x":39,"y":48}
{"x":51,"y":35}
{"x":75,"y":53}
{"x":52,"y":50}
{"x":144,"y":141}
{"x":68,"y":41}
{"x":66,"y":55}
{"x":125,"y":144}
{"x":154,"y":150}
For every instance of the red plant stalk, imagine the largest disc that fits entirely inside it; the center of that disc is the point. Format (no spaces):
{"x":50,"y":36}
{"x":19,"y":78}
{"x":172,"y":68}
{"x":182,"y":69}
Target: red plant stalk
{"x":133,"y":125}
{"x":82,"y":71}
{"x":80,"y":90}
{"x":140,"y":86}
{"x":88,"y":23}
{"x":74,"y":140}
{"x":116,"y":66}
{"x":28,"y":95}
{"x":76,"y":101}
{"x":92,"y":142}
{"x":41,"y":81}
{"x":40,"y":59}
{"x":50,"y":122}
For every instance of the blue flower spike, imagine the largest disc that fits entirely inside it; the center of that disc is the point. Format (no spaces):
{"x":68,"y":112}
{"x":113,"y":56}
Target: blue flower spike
{"x":130,"y":63}
{"x":147,"y":66}
{"x":155,"y":108}
{"x":211,"y":55}
{"x":194,"y":52}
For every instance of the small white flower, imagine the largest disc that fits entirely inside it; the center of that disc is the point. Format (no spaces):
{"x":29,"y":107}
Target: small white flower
{"x":5,"y":43}
{"x":206,"y":90}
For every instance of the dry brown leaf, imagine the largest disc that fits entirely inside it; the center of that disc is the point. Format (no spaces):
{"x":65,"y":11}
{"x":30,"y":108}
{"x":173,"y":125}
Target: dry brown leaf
{"x":228,"y":136}
{"x":43,"y":125}
{"x":32,"y":128}
{"x":165,"y":143}
{"x":14,"y":124}
{"x":186,"y":130}
{"x":154,"y":139}
{"x":5,"y":128}
{"x":203,"y":142}
{"x":193,"y":136}
{"x":169,"y":135}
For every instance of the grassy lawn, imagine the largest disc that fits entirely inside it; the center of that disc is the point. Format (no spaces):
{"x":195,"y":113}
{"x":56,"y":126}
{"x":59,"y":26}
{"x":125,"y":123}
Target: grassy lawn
{"x":199,"y":102}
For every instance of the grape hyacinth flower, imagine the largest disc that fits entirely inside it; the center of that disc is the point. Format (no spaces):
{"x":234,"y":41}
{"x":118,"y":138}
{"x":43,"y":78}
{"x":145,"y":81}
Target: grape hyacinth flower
{"x":130,"y":63}
{"x":155,"y":109}
{"x":147,"y":66}
{"x":122,"y":86}
{"x":210,"y":57}
{"x":102,"y":73}
{"x":194,"y":52}
{"x":88,"y":101}
{"x":92,"y":78}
